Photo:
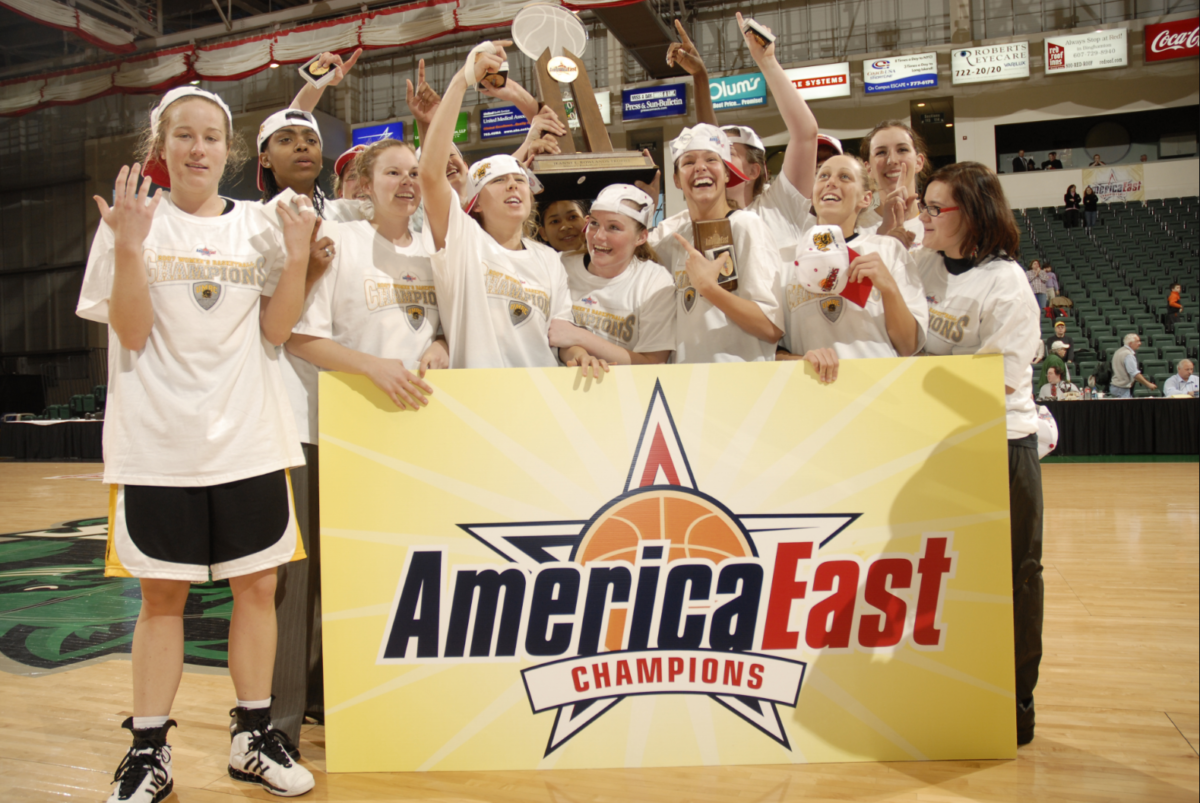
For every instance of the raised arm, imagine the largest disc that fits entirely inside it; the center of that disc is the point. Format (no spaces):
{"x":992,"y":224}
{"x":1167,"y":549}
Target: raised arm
{"x":422,"y":101}
{"x":435,"y":150}
{"x":280,"y":311}
{"x":130,"y":313}
{"x":515,"y":94}
{"x":308,"y":96}
{"x":800,"y":158}
{"x":685,"y":54}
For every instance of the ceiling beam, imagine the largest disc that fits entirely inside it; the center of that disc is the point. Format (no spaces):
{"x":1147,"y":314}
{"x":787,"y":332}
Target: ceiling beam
{"x":224,"y":19}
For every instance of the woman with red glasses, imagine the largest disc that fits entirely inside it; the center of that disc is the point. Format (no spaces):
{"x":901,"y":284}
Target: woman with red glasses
{"x":979,"y":303}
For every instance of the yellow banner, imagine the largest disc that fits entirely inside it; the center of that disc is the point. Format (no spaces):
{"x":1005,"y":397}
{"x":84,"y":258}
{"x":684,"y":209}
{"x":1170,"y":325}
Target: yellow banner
{"x":676,"y":565}
{"x":1116,"y":183}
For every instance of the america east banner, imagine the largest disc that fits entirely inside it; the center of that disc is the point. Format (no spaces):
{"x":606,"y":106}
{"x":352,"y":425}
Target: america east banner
{"x":674,"y":565}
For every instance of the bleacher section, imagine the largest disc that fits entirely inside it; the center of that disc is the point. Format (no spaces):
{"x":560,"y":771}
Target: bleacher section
{"x":1118,"y":275}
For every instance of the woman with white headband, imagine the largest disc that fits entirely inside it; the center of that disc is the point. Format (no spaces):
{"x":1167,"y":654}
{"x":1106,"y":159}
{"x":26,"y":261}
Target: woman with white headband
{"x":198,"y":437}
{"x":622,"y":299}
{"x":713,"y":324}
{"x":872,"y":305}
{"x":498,"y":289}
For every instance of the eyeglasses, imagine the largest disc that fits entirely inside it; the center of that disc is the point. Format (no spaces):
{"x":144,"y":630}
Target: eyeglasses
{"x":934,"y":211}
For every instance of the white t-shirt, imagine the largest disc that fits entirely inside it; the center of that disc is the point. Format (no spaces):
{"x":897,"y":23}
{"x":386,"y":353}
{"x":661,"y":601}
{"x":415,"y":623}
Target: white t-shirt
{"x":635,"y":310}
{"x":825,"y":321}
{"x":376,"y":297}
{"x":344,"y":210}
{"x":203,"y":402}
{"x":496,"y":305}
{"x":702,"y":332}
{"x":912,"y":224}
{"x":986,"y":310}
{"x":787,"y":213}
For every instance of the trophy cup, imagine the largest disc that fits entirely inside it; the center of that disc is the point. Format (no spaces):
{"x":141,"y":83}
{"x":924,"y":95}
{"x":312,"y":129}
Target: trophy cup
{"x":555,"y":38}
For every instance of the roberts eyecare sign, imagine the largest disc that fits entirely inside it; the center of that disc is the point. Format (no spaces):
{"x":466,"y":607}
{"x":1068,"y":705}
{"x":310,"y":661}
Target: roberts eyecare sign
{"x":675,"y":565}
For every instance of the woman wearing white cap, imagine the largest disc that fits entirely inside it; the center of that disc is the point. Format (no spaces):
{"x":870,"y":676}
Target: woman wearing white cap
{"x":622,"y":299}
{"x":886,"y":318}
{"x":374,"y":312}
{"x":197,"y":435}
{"x":497,"y":289}
{"x":713,"y":324}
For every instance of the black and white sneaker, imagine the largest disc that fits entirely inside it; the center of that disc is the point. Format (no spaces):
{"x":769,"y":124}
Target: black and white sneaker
{"x":144,"y":775}
{"x":259,"y":755}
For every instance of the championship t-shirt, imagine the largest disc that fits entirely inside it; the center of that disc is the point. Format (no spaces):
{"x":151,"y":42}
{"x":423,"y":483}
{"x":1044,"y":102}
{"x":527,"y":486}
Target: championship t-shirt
{"x":985,"y":310}
{"x":344,"y":210}
{"x":203,"y":402}
{"x":912,"y":224}
{"x":635,"y":310}
{"x":495,"y":304}
{"x":830,"y":321}
{"x":702,"y":332}
{"x":787,"y":213}
{"x":377,"y":297}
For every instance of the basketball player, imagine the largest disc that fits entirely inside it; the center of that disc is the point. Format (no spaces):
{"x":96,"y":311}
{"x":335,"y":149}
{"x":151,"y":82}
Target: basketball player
{"x":979,"y":303}
{"x":497,"y":288}
{"x":345,"y":175}
{"x":896,"y":158}
{"x":713,"y":324}
{"x":197,"y":435}
{"x":894,"y":318}
{"x":374,"y":312}
{"x":622,"y":299}
{"x":562,"y":225}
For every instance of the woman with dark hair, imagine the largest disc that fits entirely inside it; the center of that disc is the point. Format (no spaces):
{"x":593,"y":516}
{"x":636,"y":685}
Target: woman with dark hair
{"x":1091,"y":203}
{"x":979,"y":303}
{"x":896,"y":158}
{"x":1071,"y":203}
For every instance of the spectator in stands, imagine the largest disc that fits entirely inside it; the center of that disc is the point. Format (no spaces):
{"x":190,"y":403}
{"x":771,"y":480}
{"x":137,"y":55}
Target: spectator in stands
{"x":1032,"y":165}
{"x":1055,"y":359}
{"x":1125,"y":369}
{"x":1071,"y":203}
{"x":1038,"y":282}
{"x":1060,"y":335}
{"x":1055,"y":385}
{"x":1019,"y":164}
{"x":1174,"y":307}
{"x":1096,"y":161}
{"x":1091,"y":204}
{"x":1184,"y":382}
{"x":1051,"y":280}
{"x":1052,"y":163}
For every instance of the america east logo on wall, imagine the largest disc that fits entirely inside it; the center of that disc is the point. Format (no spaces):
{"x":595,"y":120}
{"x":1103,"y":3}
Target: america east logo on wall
{"x":704,"y":585}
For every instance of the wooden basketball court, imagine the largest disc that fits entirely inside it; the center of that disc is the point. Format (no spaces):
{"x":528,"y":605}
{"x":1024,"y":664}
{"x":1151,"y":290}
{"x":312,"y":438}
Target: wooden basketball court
{"x":1117,"y":701}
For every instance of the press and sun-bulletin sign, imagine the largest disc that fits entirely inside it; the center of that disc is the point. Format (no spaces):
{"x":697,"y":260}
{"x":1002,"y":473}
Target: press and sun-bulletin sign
{"x":977,"y":65}
{"x":821,"y":81}
{"x":1098,"y":50}
{"x":653,"y":101}
{"x":668,"y":567}
{"x":898,"y":73}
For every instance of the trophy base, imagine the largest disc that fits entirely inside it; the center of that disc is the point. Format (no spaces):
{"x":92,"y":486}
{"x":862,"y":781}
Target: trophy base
{"x":581,"y":176}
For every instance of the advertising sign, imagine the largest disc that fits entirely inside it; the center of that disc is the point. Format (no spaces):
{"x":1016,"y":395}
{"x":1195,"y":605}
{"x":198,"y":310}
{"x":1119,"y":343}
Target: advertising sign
{"x":822,"y":81}
{"x":738,"y":91}
{"x":1118,"y":183}
{"x":1087,"y":51}
{"x":462,"y":130}
{"x":603,"y":100}
{"x":897,"y":73}
{"x":653,"y":101}
{"x":1173,"y":40}
{"x":505,"y":121}
{"x":977,"y":65}
{"x":668,"y":567}
{"x":368,"y":134}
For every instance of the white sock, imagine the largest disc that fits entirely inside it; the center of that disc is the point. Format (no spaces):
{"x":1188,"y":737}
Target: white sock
{"x":254,"y":703}
{"x":144,"y":723}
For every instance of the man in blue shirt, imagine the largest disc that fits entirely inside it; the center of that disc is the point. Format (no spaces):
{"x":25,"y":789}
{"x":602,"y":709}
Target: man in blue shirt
{"x":1183,"y":383}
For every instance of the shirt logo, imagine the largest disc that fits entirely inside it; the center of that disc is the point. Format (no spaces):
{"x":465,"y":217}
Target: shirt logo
{"x":415,"y":315}
{"x":831,"y":308}
{"x":588,"y":300}
{"x":689,"y":298}
{"x":207,"y":294}
{"x":408,"y":277}
{"x":205,"y":252}
{"x":518,"y":312}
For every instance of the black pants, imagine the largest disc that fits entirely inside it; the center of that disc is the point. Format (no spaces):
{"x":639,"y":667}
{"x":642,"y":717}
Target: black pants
{"x":298,"y":682}
{"x":1171,"y":318}
{"x":1025,"y":513}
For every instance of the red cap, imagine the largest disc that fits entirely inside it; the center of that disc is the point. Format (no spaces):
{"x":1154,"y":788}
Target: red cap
{"x":345,"y":158}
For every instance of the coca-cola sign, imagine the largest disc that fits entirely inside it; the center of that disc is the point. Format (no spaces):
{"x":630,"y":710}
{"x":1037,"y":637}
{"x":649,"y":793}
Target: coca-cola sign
{"x":1173,"y":40}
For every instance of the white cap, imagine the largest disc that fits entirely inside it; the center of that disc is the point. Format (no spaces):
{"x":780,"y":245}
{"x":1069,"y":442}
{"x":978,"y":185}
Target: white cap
{"x":833,"y":142}
{"x":823,"y":263}
{"x":155,"y":169}
{"x":611,"y":197}
{"x":493,"y":167}
{"x":1058,"y":344}
{"x":745,"y":135}
{"x":283,"y":119}
{"x":705,"y":137}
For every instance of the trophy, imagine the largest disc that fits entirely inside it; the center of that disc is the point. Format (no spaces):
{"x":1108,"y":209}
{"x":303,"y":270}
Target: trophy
{"x":555,"y":38}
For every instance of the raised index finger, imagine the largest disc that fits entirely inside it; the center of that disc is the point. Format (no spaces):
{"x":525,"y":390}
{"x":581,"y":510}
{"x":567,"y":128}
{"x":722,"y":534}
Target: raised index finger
{"x":420,"y":72}
{"x":687,"y":40}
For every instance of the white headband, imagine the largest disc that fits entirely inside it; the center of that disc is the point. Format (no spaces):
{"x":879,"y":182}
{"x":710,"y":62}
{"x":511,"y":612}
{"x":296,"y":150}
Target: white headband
{"x":183,"y":92}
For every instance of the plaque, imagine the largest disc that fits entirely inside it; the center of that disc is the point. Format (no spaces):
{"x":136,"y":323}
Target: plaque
{"x":714,"y":239}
